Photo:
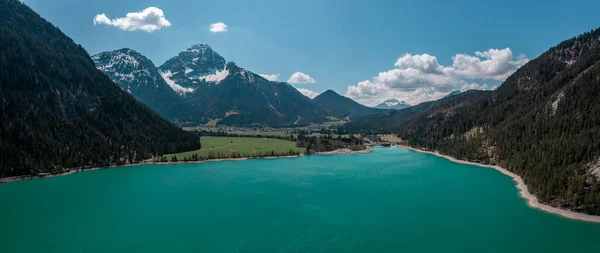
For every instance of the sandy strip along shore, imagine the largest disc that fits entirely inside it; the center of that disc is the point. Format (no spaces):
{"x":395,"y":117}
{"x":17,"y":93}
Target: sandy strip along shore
{"x":524,"y":192}
{"x":344,"y":151}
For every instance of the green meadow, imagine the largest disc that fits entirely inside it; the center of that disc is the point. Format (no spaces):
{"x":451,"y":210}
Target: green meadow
{"x":255,"y":132}
{"x":242,"y":145}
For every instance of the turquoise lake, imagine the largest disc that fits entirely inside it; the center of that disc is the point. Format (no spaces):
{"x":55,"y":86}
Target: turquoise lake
{"x":391,"y":200}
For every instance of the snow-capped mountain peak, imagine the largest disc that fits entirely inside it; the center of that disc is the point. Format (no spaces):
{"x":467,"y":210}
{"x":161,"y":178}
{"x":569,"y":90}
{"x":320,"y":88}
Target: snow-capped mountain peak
{"x":392,"y":103}
{"x":201,"y":48}
{"x":126,"y":65}
{"x":194,"y":65}
{"x":206,"y":87}
{"x":137,"y":75}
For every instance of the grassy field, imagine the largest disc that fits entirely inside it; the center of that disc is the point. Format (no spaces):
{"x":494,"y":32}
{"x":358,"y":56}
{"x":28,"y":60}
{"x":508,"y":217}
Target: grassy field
{"x":243,"y":146}
{"x":212,"y":129}
{"x":389,"y":138}
{"x":335,"y":123}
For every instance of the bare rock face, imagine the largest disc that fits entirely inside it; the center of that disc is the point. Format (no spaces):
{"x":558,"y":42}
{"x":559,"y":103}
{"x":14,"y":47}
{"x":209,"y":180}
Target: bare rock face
{"x":594,"y":169}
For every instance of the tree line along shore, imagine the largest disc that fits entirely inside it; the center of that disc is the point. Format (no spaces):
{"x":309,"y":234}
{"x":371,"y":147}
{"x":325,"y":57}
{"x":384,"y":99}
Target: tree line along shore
{"x":220,"y":146}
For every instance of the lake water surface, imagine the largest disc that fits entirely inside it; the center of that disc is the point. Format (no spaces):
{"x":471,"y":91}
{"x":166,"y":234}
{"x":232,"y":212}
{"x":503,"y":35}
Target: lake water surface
{"x":392,"y":200}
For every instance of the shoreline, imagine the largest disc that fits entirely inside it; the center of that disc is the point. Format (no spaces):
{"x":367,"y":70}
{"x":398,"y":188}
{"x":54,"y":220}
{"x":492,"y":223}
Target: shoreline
{"x":66,"y":172}
{"x":524,"y":193}
{"x":344,"y":151}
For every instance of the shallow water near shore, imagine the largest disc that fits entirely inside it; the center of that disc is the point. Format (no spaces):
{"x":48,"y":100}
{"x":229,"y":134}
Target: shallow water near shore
{"x":391,"y":200}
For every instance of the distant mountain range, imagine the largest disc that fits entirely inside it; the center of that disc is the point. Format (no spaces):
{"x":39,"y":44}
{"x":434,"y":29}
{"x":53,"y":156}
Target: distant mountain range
{"x":198,"y":86}
{"x":137,"y":75}
{"x":58,"y":111}
{"x":392,"y":104}
{"x":208,"y":89}
{"x":542,"y":123}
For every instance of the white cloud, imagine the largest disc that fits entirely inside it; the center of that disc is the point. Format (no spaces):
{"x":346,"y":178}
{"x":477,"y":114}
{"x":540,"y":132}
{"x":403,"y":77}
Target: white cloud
{"x":423,"y":62}
{"x":411,"y":79}
{"x":475,"y":86}
{"x":420,"y":78}
{"x":495,"y":64}
{"x":300,"y":77}
{"x":218,"y":27}
{"x":272,"y":78}
{"x":309,"y":93}
{"x":149,"y":20}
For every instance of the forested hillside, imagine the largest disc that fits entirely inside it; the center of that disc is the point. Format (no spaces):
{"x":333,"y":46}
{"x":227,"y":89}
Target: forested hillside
{"x":543,"y":123}
{"x":58,"y":111}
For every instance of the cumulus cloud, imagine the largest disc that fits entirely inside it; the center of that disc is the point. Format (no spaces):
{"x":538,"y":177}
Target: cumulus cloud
{"x":218,"y":27}
{"x":148,"y":20}
{"x":300,"y":77}
{"x":495,"y":64}
{"x":419,"y":78}
{"x":424,"y":62}
{"x":270,"y":77}
{"x":309,"y":93}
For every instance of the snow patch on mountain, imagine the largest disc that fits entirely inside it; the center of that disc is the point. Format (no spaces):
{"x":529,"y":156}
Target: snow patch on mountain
{"x":176,"y":87}
{"x":123,"y":66}
{"x":247,"y":75}
{"x":121,"y":59}
{"x":556,"y":102}
{"x":392,"y":103}
{"x":216,"y":77}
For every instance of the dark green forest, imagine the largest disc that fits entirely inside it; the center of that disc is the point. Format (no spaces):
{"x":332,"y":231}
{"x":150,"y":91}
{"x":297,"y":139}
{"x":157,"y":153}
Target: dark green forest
{"x":542,"y":123}
{"x":58,"y":111}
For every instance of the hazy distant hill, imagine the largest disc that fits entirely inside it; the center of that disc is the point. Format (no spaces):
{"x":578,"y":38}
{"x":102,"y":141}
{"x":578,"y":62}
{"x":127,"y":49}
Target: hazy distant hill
{"x":340,"y":106}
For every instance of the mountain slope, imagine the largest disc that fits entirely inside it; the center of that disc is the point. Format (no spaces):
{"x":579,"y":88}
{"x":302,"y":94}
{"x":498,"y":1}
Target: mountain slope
{"x":453,"y":93}
{"x":542,"y":123}
{"x":58,"y":111}
{"x":242,"y":98}
{"x":185,"y":70}
{"x":137,"y":75}
{"x":340,"y":106}
{"x":230,"y":95}
{"x":392,"y":104}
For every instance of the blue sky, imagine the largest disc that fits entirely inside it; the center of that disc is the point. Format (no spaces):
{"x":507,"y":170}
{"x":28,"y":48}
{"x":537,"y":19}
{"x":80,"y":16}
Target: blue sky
{"x":357,"y":48}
